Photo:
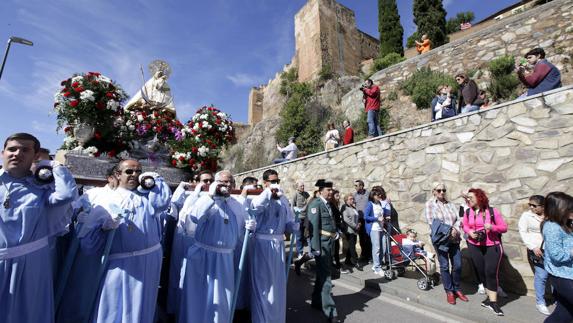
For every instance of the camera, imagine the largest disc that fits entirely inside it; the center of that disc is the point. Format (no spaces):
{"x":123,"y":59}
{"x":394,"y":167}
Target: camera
{"x":44,"y":174}
{"x":481,"y":235}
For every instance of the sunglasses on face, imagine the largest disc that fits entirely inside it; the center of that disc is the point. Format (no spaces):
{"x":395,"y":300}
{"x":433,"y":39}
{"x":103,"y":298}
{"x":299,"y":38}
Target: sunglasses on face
{"x":132,"y":171}
{"x":533,"y":205}
{"x":208,"y":180}
{"x":439,"y":190}
{"x":443,"y":93}
{"x":275,"y":181}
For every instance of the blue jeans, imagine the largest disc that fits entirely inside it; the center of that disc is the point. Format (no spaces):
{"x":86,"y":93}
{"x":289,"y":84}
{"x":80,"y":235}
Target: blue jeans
{"x":373,"y":119}
{"x":539,"y":279}
{"x":450,"y":278}
{"x":300,"y":239}
{"x":378,"y":248}
{"x":469,"y":108}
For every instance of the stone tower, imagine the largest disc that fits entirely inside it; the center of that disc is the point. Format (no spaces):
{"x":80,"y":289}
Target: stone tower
{"x":326,"y":37}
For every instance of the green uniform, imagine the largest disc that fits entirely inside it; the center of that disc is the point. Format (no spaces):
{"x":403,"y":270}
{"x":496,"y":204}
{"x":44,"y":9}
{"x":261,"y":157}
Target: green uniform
{"x":320,"y":217}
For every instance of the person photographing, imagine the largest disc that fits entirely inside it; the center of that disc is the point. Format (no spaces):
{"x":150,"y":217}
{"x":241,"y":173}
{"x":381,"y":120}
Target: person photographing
{"x":371,"y":99}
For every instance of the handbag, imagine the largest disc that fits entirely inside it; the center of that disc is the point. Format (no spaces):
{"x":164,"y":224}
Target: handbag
{"x":536,"y":260}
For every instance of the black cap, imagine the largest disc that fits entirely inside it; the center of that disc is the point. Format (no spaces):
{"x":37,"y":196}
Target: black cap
{"x":323,"y":183}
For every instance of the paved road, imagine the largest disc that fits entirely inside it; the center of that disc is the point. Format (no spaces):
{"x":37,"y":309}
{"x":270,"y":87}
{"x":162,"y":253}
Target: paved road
{"x":355,"y":305}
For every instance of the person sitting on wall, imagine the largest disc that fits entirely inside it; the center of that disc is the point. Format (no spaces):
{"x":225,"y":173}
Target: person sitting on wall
{"x":467,"y":94}
{"x":332,"y":137}
{"x":287,"y":153}
{"x":348,"y":133}
{"x":444,"y":104}
{"x":545,"y":76}
{"x":483,"y":101}
{"x":424,"y":45}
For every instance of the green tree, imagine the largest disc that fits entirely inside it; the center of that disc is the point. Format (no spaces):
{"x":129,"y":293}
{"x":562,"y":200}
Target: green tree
{"x":430,"y":19}
{"x":391,"y":31}
{"x":453,"y":24}
{"x":411,"y":41}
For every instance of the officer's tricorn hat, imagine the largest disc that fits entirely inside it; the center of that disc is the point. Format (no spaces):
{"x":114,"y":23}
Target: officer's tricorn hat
{"x":323,"y":183}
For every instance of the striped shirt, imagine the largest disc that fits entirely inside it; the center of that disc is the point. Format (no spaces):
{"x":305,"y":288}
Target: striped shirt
{"x":443,"y":211}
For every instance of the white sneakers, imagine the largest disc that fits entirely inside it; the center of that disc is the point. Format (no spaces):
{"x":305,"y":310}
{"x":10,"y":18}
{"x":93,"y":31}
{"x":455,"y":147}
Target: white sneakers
{"x":543,"y":309}
{"x":481,"y":289}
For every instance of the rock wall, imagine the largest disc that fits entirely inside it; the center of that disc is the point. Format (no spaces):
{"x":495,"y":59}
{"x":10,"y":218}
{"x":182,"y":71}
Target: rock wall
{"x":512,"y":151}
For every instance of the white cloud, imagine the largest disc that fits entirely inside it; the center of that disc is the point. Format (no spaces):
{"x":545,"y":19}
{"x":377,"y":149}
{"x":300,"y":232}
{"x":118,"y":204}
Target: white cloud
{"x":243,"y":79}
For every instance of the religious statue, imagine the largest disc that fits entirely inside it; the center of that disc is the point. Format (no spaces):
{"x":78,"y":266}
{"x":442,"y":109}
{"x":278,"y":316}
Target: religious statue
{"x":155,"y":93}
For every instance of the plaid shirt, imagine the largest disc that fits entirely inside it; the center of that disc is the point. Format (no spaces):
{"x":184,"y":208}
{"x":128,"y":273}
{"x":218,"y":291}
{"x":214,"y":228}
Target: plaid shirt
{"x":445,"y":212}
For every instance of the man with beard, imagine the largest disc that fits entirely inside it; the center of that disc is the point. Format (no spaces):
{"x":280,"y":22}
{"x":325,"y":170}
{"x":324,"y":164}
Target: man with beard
{"x":26,"y":281}
{"x":128,"y":290}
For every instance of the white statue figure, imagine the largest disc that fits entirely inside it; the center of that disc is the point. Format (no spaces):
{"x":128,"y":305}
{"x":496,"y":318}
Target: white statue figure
{"x":155,"y":93}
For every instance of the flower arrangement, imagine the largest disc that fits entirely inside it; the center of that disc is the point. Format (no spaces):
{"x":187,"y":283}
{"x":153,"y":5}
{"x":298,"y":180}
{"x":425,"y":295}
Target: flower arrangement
{"x":146,"y":125}
{"x":91,"y":104}
{"x":202,"y":139}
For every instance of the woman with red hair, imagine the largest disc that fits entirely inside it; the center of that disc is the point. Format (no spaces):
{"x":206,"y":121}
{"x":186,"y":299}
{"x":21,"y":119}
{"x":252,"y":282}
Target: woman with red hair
{"x":484,"y":226}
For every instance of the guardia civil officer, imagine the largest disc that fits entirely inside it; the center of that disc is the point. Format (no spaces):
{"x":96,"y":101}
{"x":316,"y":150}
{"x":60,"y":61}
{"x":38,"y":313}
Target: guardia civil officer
{"x":324,"y":235}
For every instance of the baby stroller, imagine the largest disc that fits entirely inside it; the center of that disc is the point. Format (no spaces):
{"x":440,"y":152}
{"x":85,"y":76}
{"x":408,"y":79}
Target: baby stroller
{"x":399,"y":258}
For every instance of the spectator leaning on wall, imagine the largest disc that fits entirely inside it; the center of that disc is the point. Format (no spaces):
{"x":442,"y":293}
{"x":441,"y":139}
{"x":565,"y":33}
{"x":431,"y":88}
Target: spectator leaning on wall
{"x":545,"y":76}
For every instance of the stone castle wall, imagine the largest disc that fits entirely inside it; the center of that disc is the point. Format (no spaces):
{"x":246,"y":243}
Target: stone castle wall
{"x":512,"y":151}
{"x":326,"y":35}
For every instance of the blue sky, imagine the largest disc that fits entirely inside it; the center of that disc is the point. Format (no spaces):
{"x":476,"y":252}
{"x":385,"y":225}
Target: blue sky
{"x":218,"y":49}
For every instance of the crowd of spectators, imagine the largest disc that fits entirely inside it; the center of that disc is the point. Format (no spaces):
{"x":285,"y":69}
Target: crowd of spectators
{"x":364,"y":215}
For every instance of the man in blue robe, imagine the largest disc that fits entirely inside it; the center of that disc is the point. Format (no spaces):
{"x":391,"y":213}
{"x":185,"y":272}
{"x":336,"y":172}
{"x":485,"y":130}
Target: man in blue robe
{"x":26,"y":281}
{"x":209,"y":281}
{"x":181,"y":204}
{"x":267,"y":267}
{"x":128,"y":290}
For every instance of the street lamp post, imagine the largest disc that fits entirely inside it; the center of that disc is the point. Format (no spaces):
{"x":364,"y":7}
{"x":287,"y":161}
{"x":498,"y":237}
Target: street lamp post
{"x":11,"y":40}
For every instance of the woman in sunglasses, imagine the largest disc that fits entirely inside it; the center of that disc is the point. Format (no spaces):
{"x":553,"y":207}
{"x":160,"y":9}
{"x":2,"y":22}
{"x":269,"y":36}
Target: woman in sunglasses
{"x":439,"y":208}
{"x":530,"y":231}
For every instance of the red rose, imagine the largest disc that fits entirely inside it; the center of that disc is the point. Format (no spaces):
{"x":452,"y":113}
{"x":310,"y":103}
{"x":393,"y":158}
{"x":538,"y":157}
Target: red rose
{"x":68,"y":128}
{"x":100,"y":105}
{"x":218,"y":121}
{"x":109,"y":94}
{"x":97,"y":154}
{"x":75,"y":84}
{"x":112,"y":153}
{"x":67,"y":94}
{"x":174,"y":162}
{"x":74,"y":103}
{"x":191,"y":161}
{"x":97,"y":135}
{"x":181,"y":158}
{"x":194,"y":150}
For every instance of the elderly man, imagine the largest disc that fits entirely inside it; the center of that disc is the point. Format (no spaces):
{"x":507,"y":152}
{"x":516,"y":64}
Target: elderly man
{"x":26,"y":291}
{"x":299,"y":201}
{"x":128,"y":291}
{"x":267,"y":253}
{"x":209,"y":281}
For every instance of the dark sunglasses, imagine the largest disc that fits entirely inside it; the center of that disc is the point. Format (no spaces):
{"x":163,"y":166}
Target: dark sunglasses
{"x":442,"y":93}
{"x":533,"y":205}
{"x":275,"y":181}
{"x":132,"y":171}
{"x":439,"y":190}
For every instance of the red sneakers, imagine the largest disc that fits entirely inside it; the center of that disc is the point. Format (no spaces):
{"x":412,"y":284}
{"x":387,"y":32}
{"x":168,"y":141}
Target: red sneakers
{"x":461,"y":296}
{"x":451,"y":298}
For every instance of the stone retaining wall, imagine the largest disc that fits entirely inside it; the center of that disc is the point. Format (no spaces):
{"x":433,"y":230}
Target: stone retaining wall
{"x":512,"y":151}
